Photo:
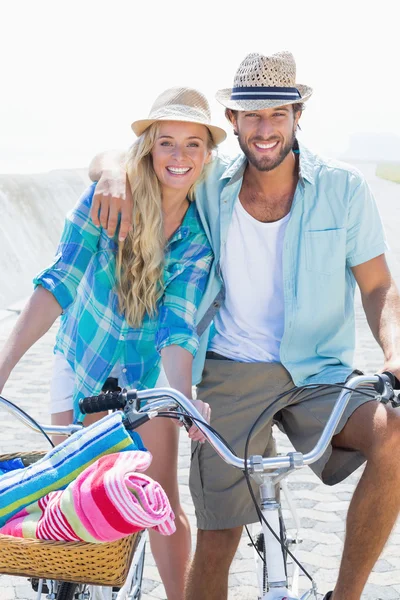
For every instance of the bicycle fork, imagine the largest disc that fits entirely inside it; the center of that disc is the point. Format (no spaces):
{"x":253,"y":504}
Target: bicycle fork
{"x":273,"y":552}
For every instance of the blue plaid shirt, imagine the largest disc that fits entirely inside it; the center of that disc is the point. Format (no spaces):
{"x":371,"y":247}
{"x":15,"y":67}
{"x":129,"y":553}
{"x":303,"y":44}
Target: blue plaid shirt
{"x":94,"y":335}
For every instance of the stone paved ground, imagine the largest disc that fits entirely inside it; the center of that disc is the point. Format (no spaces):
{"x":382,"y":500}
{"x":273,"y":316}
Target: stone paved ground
{"x":321,"y":508}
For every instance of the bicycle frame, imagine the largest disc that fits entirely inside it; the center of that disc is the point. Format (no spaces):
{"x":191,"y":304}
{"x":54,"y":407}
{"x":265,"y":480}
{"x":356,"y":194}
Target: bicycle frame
{"x":267,"y":472}
{"x":278,"y":587}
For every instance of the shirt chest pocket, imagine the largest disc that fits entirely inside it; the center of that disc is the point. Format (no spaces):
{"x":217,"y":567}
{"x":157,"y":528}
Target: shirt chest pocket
{"x":325,"y":250}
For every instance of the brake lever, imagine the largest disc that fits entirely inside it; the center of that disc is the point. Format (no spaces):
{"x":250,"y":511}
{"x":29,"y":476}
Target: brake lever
{"x":386,"y":386}
{"x":186,"y":422}
{"x":395,"y":401}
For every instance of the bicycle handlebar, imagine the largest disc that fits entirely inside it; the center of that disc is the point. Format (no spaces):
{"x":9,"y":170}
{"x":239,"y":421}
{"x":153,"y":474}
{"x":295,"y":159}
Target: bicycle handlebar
{"x":169,"y":399}
{"x":383,"y":383}
{"x":103,"y":402}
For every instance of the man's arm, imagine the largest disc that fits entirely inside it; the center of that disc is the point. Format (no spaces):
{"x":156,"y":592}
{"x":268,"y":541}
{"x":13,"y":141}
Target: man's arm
{"x":112,"y":197}
{"x":381,"y":302}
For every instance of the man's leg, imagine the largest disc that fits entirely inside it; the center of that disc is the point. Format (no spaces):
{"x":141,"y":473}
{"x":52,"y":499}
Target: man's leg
{"x":373,"y":429}
{"x":237,"y":394}
{"x":208,"y":575}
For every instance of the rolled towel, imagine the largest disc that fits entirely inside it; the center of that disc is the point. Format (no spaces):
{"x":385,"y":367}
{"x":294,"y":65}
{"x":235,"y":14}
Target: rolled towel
{"x":21,"y":487}
{"x":111,"y":499}
{"x":11,"y":465}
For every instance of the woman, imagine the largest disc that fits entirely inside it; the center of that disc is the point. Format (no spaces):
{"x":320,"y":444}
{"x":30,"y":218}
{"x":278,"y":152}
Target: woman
{"x":125,"y":304}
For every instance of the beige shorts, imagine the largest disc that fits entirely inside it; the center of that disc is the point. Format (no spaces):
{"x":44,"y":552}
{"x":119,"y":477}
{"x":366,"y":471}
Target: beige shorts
{"x":238,"y":393}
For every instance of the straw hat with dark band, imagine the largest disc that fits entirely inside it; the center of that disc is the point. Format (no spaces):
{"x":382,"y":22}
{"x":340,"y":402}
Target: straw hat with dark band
{"x":264,"y":82}
{"x":181,"y":104}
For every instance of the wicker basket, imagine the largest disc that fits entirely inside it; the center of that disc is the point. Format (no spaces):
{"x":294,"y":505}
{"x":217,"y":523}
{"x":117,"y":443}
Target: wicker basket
{"x":80,"y":562}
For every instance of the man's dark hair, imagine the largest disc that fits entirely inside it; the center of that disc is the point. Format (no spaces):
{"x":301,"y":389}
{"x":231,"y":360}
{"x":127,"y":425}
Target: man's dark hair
{"x":298,"y":107}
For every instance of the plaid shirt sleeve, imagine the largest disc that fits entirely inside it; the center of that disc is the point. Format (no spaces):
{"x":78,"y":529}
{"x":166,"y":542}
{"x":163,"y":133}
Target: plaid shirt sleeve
{"x":177,"y":313}
{"x":79,"y":241}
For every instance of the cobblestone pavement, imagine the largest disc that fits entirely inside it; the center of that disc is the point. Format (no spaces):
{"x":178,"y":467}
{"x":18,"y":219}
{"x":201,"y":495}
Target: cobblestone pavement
{"x":322,"y":509}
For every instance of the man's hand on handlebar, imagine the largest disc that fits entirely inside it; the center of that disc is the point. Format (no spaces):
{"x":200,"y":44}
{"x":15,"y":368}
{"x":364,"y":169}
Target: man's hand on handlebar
{"x":393,"y":366}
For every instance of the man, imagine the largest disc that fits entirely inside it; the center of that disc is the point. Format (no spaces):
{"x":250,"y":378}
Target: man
{"x":292,"y":234}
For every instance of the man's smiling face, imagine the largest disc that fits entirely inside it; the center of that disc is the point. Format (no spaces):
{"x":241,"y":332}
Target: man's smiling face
{"x":266,"y":136}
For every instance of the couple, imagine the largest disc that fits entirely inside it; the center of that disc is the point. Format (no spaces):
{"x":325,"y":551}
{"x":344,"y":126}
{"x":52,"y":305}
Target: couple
{"x":291,"y":235}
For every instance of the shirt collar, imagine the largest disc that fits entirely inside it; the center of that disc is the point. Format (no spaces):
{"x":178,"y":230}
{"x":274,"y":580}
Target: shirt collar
{"x":235,"y":170}
{"x":307,"y":163}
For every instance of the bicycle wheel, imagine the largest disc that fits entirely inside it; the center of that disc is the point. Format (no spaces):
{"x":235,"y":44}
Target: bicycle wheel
{"x":70,"y":591}
{"x":66,"y":591}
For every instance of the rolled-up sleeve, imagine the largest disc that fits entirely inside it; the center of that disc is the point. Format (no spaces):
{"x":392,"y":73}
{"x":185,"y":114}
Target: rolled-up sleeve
{"x":177,"y":313}
{"x":365,"y":233}
{"x":79,"y":241}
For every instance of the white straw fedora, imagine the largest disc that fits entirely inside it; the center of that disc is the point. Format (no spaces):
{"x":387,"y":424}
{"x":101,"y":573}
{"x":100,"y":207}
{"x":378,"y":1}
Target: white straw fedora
{"x":264,"y":82}
{"x":181,"y":104}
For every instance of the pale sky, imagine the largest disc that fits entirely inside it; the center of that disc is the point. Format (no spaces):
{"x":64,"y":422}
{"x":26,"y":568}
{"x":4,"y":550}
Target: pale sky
{"x":75,"y":74}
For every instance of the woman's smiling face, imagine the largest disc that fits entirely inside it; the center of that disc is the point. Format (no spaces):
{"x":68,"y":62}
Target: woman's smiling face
{"x":180,"y":153}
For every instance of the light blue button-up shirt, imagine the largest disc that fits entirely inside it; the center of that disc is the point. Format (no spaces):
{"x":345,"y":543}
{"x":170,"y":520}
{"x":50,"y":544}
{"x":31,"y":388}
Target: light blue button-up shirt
{"x":334,"y":225}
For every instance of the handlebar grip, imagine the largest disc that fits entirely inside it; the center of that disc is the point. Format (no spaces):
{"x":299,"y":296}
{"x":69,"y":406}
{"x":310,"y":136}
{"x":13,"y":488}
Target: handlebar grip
{"x":102,"y":402}
{"x":394,"y":382}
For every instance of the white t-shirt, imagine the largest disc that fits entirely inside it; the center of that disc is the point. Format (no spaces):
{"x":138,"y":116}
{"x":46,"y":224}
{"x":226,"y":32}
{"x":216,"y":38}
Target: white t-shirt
{"x":249,"y":325}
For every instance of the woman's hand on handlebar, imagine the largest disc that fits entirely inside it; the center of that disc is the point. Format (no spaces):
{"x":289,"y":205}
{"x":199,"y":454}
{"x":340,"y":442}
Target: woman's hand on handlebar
{"x":204,"y":409}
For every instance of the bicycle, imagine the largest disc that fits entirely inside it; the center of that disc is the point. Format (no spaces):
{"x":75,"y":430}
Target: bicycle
{"x":272,"y":545}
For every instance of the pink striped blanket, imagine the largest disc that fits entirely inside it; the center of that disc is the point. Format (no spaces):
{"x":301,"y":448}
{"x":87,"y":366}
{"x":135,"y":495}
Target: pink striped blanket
{"x":110,"y":499}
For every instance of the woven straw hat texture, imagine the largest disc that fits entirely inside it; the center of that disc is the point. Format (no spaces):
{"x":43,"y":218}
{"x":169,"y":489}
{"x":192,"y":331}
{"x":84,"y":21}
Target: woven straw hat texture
{"x":181,"y":104}
{"x":258,"y":71}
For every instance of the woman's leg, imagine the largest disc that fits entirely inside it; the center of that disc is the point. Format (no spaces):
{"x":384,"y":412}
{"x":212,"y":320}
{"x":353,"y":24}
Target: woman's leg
{"x":171,"y":553}
{"x":61,"y":418}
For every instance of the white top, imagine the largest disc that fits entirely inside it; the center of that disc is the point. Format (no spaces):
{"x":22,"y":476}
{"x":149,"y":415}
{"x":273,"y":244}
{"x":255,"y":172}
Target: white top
{"x":249,"y":325}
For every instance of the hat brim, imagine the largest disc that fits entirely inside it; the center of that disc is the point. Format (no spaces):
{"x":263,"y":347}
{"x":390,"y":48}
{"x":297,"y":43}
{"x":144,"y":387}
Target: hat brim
{"x":224,"y":97}
{"x":217,"y":133}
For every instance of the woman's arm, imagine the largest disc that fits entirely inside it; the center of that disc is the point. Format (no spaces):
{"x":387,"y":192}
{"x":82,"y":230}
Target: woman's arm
{"x":178,"y":308}
{"x":79,"y":242}
{"x":176,"y":337}
{"x":56,"y":285}
{"x":177,"y":363}
{"x":37,"y":317}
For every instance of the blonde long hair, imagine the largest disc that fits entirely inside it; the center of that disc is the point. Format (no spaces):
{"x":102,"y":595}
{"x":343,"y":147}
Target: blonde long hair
{"x":140,"y":258}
